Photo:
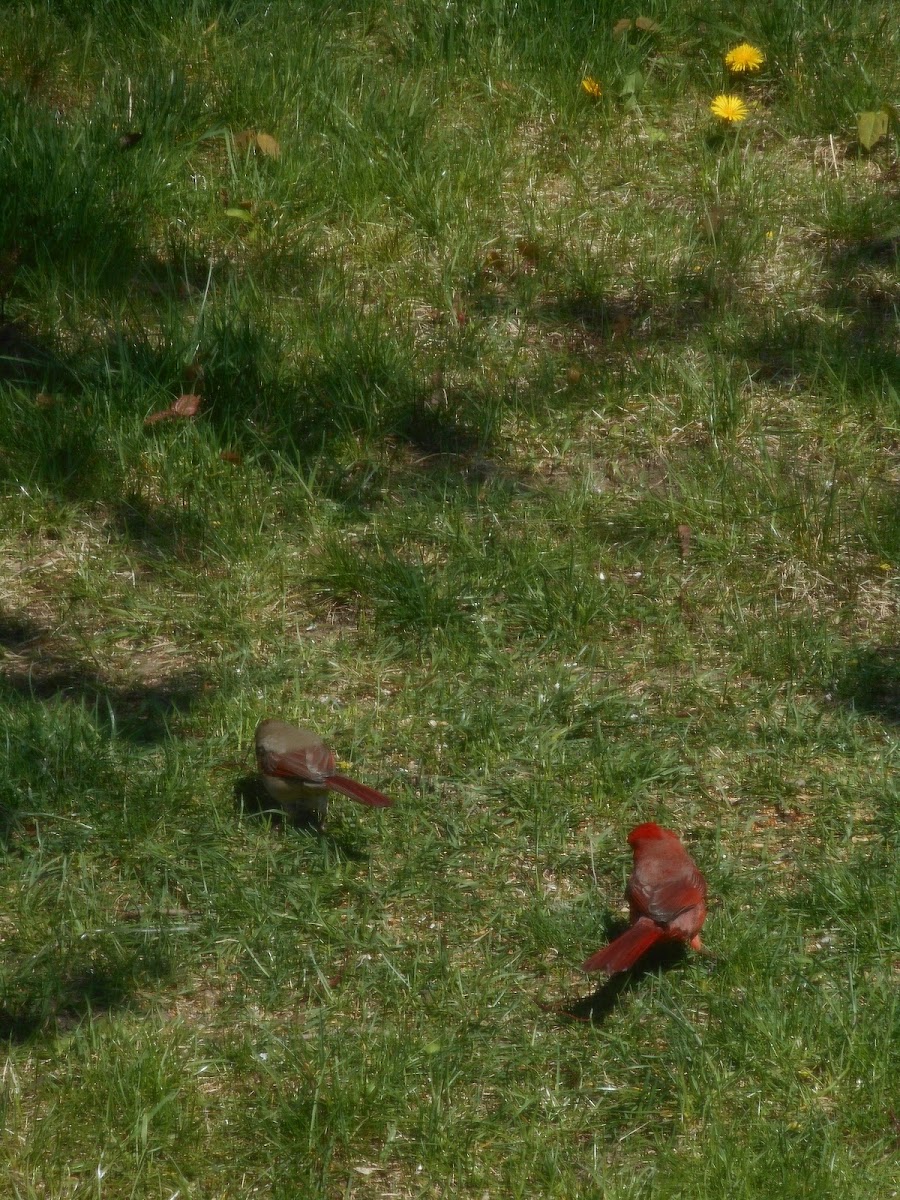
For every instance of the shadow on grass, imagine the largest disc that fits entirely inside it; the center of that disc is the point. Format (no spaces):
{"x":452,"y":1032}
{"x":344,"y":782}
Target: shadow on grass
{"x":37,"y":666}
{"x":25,"y":359}
{"x":55,"y":997}
{"x":159,"y":531}
{"x":800,"y":352}
{"x":367,"y":383}
{"x":871,"y":683}
{"x":596,"y":1007}
{"x":259,"y":401}
{"x":363,"y":380}
{"x":252,"y":801}
{"x":858,"y":346}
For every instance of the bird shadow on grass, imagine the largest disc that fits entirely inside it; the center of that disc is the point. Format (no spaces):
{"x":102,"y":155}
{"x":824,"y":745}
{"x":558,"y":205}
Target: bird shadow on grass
{"x":596,"y":1007}
{"x":252,"y":801}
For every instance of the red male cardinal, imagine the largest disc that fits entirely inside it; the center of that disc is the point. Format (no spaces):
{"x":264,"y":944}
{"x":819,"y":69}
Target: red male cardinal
{"x":667,"y":895}
{"x":297,"y":769}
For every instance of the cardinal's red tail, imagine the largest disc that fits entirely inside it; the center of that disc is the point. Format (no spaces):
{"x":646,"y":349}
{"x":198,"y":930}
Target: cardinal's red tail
{"x":626,"y":949}
{"x":358,"y":791}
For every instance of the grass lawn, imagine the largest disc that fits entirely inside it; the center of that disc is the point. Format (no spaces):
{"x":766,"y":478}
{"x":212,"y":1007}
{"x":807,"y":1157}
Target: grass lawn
{"x":546,"y":461}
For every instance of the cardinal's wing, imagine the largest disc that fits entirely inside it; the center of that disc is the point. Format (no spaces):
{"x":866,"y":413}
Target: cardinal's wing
{"x":313,"y":763}
{"x":664,"y":900}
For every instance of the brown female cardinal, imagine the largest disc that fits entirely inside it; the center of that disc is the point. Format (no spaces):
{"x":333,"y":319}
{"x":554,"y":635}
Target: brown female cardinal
{"x":667,"y":896}
{"x":297,"y":769}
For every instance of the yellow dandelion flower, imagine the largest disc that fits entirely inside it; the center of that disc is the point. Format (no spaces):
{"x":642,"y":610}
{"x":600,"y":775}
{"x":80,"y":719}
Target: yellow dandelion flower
{"x":729,"y":108}
{"x":744,"y":58}
{"x":592,"y":87}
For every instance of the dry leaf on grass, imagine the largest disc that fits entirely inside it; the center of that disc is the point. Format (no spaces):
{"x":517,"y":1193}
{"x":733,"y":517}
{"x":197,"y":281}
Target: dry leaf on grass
{"x":644,"y":24}
{"x":187,"y":405}
{"x":249,"y":139}
{"x":268,"y":145}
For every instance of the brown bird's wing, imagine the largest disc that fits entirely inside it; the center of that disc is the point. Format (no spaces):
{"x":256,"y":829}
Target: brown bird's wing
{"x":313,"y":763}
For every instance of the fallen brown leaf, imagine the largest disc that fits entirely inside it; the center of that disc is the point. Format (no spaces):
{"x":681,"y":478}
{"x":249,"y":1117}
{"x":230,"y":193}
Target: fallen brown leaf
{"x":187,"y":405}
{"x":268,"y":145}
{"x":249,"y":139}
{"x":244,"y":140}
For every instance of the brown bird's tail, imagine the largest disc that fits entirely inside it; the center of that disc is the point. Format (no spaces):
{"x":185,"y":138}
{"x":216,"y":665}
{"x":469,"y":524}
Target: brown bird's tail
{"x":357,"y":791}
{"x":626,"y":949}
